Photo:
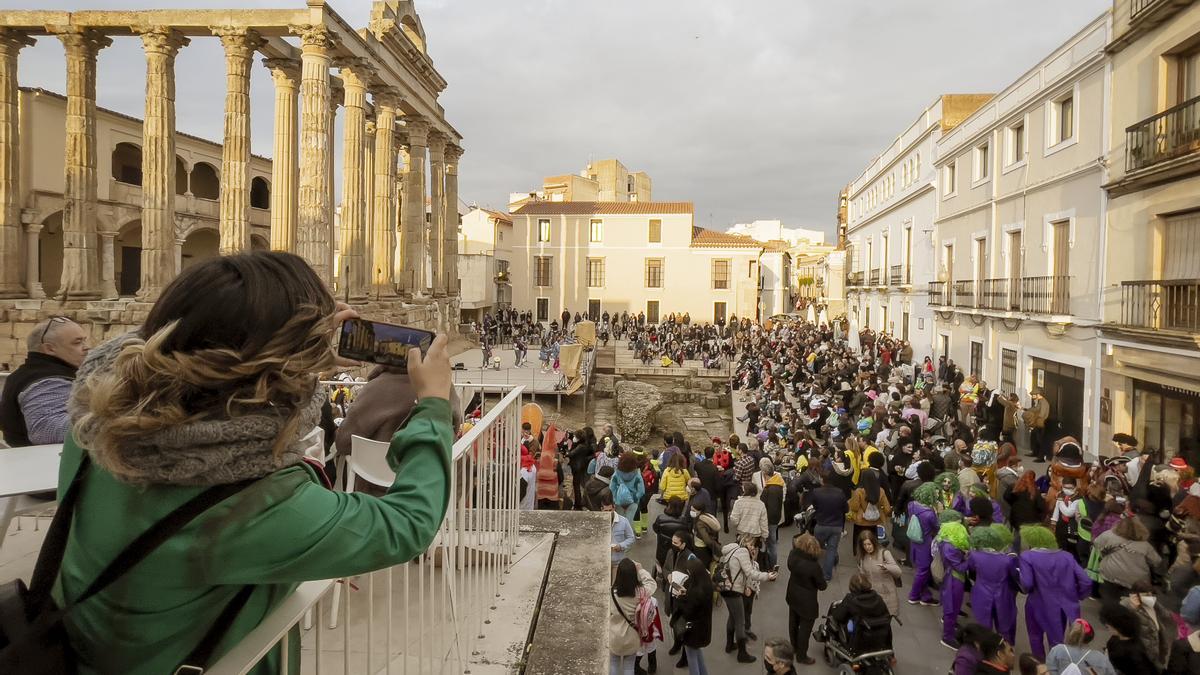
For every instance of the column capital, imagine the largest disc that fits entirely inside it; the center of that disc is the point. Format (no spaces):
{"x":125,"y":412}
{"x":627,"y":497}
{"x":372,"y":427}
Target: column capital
{"x":13,"y":41}
{"x":355,"y":71}
{"x":386,"y":97}
{"x":437,"y":146}
{"x":453,"y":152}
{"x":284,"y":70}
{"x":418,"y":130}
{"x":238,"y":40}
{"x":314,"y":38}
{"x":82,"y":42}
{"x":162,"y":40}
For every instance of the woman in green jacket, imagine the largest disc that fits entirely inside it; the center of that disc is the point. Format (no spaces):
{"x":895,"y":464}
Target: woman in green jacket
{"x":219,"y":386}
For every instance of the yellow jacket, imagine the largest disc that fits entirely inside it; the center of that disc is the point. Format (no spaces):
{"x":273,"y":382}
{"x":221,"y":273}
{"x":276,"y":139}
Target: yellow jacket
{"x":674,"y":484}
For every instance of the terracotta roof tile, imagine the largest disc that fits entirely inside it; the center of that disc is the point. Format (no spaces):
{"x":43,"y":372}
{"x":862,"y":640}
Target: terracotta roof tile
{"x":498,"y":215}
{"x":702,"y":238}
{"x":598,"y":208}
{"x":776,"y":245}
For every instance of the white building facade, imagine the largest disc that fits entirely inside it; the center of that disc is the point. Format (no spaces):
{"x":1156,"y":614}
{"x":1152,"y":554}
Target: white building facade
{"x":1019,"y":233}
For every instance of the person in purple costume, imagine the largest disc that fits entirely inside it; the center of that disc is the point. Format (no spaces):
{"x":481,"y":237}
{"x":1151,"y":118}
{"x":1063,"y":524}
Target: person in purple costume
{"x":1055,"y":584}
{"x":962,"y":504}
{"x":924,"y":500}
{"x":994,"y":568}
{"x":952,"y":544}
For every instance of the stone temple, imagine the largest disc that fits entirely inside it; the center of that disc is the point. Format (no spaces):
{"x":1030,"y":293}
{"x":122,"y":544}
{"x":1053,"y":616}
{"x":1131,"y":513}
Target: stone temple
{"x":99,"y":236}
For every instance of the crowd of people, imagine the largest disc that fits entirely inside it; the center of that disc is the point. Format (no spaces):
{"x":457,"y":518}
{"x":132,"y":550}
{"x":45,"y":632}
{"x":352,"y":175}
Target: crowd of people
{"x":919,"y":464}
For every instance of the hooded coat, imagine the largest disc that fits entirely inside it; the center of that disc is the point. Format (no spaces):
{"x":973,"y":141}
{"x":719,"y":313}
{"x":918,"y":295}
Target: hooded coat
{"x":1056,"y":584}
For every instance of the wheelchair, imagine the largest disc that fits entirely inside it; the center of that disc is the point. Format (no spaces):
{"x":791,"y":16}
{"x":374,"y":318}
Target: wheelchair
{"x":862,"y":649}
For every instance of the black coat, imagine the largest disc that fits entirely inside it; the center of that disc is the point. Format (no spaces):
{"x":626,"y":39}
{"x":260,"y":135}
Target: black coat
{"x":709,"y":475}
{"x":696,"y":608}
{"x":665,"y":527}
{"x":805,"y":580}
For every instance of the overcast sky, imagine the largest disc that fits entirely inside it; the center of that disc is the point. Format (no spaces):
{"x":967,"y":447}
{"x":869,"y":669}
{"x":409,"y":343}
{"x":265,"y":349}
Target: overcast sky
{"x":753,"y":109}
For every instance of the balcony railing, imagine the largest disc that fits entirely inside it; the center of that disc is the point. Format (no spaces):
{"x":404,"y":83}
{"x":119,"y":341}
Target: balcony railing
{"x":896,"y":276}
{"x":1170,"y":305}
{"x":964,"y":294}
{"x":1170,"y":134}
{"x":876,"y":274}
{"x":1046,"y":295}
{"x":1136,"y":7}
{"x":854,"y":279}
{"x":938,"y":294}
{"x":995,"y":295}
{"x":427,"y":615}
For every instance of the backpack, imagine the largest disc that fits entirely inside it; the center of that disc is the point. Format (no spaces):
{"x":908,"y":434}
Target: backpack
{"x":33,"y":636}
{"x":1073,"y":667}
{"x":871,"y":512}
{"x":937,"y":567}
{"x":722,"y":582}
{"x":913,"y":530}
{"x":621,"y":495}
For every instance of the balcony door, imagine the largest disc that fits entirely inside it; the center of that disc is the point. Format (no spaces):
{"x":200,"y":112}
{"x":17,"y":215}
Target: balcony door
{"x":1016,"y":268}
{"x":908,"y":255}
{"x":1061,"y":268}
{"x":1180,"y":297}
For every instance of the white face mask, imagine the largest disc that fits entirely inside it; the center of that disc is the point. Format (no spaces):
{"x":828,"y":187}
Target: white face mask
{"x":1148,"y":600}
{"x":695,"y":514}
{"x":1068,"y":491}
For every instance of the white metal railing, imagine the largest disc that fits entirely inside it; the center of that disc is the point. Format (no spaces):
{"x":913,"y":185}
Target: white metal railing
{"x":424,"y":616}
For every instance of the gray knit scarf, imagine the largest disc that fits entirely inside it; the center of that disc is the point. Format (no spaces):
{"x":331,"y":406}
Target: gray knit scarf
{"x":207,"y":452}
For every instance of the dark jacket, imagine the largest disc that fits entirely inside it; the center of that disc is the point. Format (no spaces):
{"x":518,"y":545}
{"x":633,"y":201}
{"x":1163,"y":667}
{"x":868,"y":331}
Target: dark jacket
{"x":772,"y":497}
{"x":664,"y":527}
{"x":864,"y":606}
{"x":830,"y":504}
{"x":805,"y":580}
{"x":709,"y":475}
{"x":696,"y":608}
{"x":1128,"y":657}
{"x":1023,"y":509}
{"x":37,"y":367}
{"x":593,"y":490}
{"x":1184,"y":660}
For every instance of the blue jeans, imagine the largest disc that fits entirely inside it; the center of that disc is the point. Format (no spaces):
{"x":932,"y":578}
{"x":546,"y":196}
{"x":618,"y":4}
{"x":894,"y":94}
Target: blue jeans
{"x":620,"y":665}
{"x":695,"y":659}
{"x":771,"y":548}
{"x":828,"y":536}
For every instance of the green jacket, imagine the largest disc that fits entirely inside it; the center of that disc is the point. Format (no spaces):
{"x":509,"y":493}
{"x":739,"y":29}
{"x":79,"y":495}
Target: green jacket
{"x":282,"y":530}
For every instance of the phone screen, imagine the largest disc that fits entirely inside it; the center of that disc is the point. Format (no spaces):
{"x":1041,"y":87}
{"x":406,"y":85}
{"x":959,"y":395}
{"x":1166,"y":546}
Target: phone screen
{"x":383,"y":343}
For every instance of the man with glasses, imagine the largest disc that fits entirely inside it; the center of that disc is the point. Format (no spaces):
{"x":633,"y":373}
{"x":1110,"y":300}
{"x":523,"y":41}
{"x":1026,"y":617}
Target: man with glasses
{"x":33,"y":405}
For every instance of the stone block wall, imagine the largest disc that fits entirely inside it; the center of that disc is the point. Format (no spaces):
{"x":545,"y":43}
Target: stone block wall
{"x":108,"y":318}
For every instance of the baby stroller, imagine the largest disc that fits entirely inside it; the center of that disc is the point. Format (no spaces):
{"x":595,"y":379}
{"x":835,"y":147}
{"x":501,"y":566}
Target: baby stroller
{"x":863,"y":649}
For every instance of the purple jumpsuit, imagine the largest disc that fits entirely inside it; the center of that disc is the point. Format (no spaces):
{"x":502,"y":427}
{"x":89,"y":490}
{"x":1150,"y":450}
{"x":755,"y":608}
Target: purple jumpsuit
{"x":964,"y":507}
{"x":994,"y":595}
{"x":1055,"y":584}
{"x":920,"y":553}
{"x":953,"y":587}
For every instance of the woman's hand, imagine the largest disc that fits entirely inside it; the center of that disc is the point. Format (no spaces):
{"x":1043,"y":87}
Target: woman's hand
{"x":430,"y":374}
{"x":343,"y":312}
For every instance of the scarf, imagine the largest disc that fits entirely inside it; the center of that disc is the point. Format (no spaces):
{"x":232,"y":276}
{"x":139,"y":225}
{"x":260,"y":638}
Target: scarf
{"x":212,"y":451}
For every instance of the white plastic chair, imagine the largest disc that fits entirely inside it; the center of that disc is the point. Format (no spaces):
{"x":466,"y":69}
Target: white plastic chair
{"x":314,"y":448}
{"x":367,"y":461}
{"x":20,"y":505}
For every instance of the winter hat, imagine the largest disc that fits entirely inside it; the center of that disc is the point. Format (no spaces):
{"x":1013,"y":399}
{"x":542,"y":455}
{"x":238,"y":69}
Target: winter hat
{"x":1178,"y":463}
{"x":845,"y":386}
{"x":872,"y":394}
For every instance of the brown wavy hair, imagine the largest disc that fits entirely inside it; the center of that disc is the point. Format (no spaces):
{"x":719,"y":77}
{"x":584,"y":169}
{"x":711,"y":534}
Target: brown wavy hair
{"x":229,"y":337}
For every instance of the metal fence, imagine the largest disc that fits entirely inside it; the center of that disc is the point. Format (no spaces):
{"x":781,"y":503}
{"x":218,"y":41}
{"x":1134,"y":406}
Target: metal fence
{"x":939,"y":296}
{"x":1172,"y":133}
{"x":896,"y":276}
{"x":1161,"y":304}
{"x":424,"y":616}
{"x":1046,"y":295}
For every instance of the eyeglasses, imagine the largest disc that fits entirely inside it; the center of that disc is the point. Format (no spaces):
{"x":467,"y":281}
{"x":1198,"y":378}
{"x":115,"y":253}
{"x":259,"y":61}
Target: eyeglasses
{"x":53,"y":320}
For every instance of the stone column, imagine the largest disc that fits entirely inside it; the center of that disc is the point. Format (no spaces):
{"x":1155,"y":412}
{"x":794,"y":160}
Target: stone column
{"x":33,"y":263}
{"x":108,"y":265}
{"x":336,"y":96}
{"x":11,"y":43}
{"x":397,"y":229}
{"x":314,"y":214}
{"x":383,"y":226}
{"x":284,"y":170}
{"x":414,"y":204}
{"x":240,"y":44}
{"x":158,"y":160}
{"x":179,"y":255}
{"x":354,"y":184}
{"x":81,"y":260}
{"x":437,"y":210}
{"x":450,"y":240}
{"x":368,"y":163}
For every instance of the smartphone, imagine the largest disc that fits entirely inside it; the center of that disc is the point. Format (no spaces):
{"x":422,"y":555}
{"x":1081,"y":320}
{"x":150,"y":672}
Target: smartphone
{"x":383,"y":343}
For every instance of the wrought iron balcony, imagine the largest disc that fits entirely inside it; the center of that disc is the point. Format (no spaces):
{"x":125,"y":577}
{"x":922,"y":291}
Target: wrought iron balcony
{"x":854,"y":279}
{"x":897,"y":275}
{"x":964,"y":294}
{"x":1137,"y":7}
{"x":995,"y":295}
{"x":1173,"y":133}
{"x":1046,"y":295}
{"x":875,"y":277}
{"x":1167,"y":305}
{"x":938,"y":295}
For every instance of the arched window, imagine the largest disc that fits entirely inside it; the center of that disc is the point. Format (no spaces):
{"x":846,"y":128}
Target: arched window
{"x":127,"y":163}
{"x":181,"y":176}
{"x":205,"y":183}
{"x":260,"y":193}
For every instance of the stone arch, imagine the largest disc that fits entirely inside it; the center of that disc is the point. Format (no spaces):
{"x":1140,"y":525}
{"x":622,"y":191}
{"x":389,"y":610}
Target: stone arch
{"x":200,"y":244}
{"x":260,"y":193}
{"x":127,"y":263}
{"x":206,"y":183}
{"x":127,"y":163}
{"x":181,"y":176}
{"x":259,"y":243}
{"x":50,"y":253}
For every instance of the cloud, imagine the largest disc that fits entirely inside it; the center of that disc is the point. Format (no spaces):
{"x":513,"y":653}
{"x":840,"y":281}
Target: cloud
{"x":752,"y":109}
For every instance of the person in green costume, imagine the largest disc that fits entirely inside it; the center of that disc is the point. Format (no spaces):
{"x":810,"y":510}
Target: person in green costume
{"x":220,"y":386}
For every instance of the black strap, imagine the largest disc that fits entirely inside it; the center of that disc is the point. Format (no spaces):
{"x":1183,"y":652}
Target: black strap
{"x":621,"y":611}
{"x":49,"y":560}
{"x":200,"y":656}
